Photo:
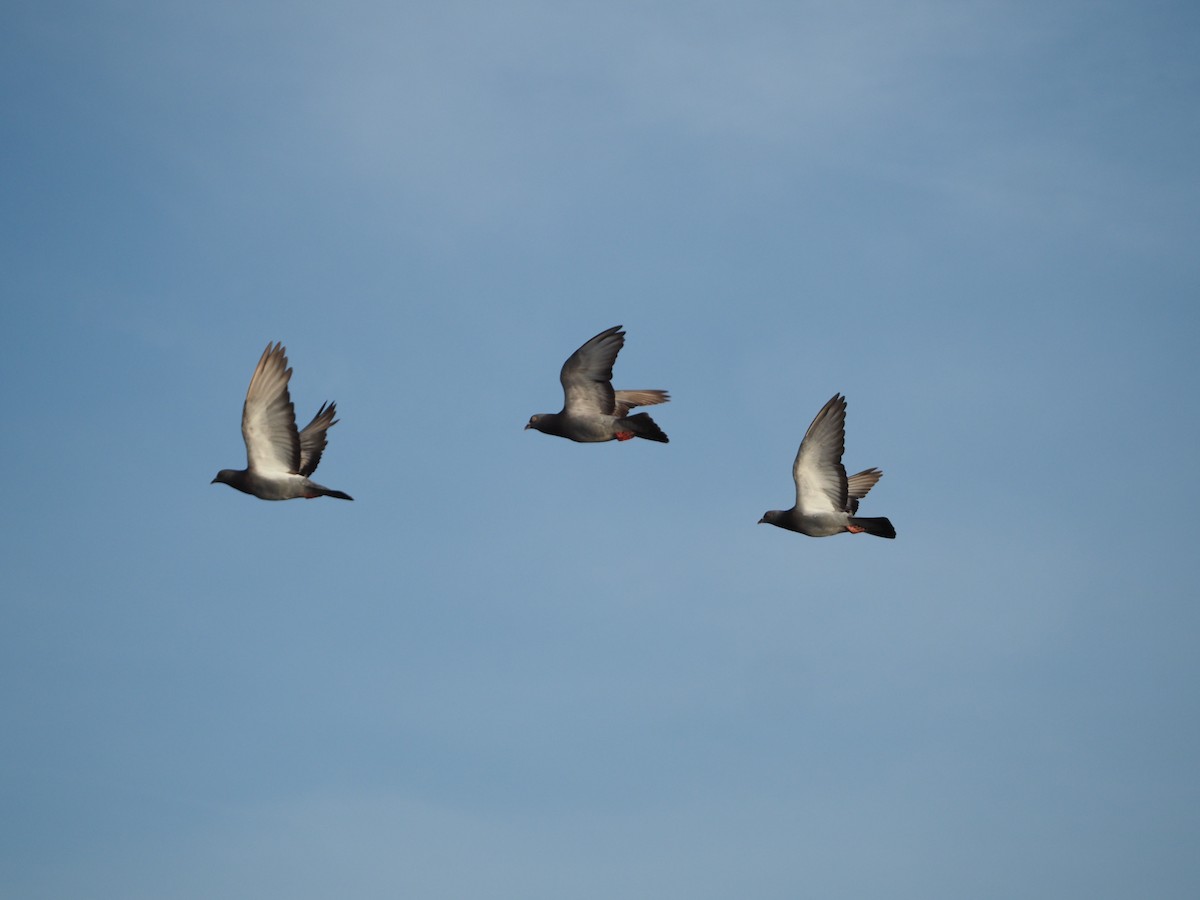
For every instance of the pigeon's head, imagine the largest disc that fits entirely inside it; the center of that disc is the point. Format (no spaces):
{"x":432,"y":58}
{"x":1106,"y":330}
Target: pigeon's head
{"x":227,"y":476}
{"x":772,"y":517}
{"x":546,"y":423}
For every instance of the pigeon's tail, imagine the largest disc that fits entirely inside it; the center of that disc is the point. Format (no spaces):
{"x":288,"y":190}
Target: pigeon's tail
{"x":880,"y":527}
{"x":322,"y":491}
{"x":644,"y":427}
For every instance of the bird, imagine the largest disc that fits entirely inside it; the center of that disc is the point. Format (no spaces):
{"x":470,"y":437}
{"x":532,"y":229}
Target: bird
{"x":592,"y":411}
{"x":279,"y":460}
{"x":826,"y":500}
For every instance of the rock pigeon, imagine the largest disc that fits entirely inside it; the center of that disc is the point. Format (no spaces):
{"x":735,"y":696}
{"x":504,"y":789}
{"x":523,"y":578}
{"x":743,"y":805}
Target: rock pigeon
{"x":826,"y":500}
{"x":279,"y":460}
{"x":592,"y":410}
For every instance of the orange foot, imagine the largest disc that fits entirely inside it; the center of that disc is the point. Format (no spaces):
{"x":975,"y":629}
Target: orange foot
{"x":855,"y":529}
{"x":625,"y":435}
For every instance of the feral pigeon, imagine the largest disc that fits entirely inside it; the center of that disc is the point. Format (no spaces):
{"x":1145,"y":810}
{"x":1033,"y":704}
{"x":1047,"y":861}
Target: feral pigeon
{"x":826,"y":500}
{"x":592,"y":411}
{"x":279,"y":460}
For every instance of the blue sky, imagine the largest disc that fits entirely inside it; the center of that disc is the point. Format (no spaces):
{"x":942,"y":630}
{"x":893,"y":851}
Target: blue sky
{"x":521,"y":667}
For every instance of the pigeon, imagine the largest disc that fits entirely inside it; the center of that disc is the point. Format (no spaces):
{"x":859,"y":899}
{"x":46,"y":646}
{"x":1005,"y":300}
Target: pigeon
{"x":592,"y":410}
{"x":826,"y":500}
{"x":279,"y":460}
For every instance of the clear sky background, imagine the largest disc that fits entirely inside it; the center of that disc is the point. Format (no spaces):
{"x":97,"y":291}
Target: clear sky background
{"x":519,"y":667}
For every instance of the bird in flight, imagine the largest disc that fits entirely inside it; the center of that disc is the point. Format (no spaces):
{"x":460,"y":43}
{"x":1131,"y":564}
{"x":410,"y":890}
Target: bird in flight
{"x":826,"y":500}
{"x":592,"y":411}
{"x":278,"y":458}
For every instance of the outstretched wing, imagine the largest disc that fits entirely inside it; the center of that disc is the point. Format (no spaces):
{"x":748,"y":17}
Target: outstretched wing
{"x":821,"y":485}
{"x":268,"y":418}
{"x":624,"y":401}
{"x":313,"y":440}
{"x":858,"y":485}
{"x":587,"y":375}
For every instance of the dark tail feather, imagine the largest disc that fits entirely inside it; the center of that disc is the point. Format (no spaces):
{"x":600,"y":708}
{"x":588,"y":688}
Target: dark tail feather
{"x":880,"y":527}
{"x":330,"y":492}
{"x":643,"y":426}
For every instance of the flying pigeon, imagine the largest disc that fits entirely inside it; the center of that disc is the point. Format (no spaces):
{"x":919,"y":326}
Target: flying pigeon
{"x":826,"y":500}
{"x":279,"y":460}
{"x":592,"y":411}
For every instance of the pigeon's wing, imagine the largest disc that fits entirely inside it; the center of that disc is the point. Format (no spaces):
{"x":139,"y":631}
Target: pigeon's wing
{"x":587,"y":375}
{"x":624,"y":401}
{"x":268,"y":418}
{"x":858,"y":485}
{"x":820,"y":476}
{"x":312,"y":438}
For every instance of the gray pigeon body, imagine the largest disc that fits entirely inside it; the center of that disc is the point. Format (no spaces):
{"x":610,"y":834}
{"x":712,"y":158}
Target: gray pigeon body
{"x":279,"y":459}
{"x":592,"y":411}
{"x":826,"y":500}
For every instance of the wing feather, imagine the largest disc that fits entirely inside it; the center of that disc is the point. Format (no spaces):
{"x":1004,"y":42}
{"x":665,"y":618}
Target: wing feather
{"x":857,"y":486}
{"x":624,"y":401}
{"x":268,"y":417}
{"x":821,"y":484}
{"x":313,"y":440}
{"x":586,"y":376}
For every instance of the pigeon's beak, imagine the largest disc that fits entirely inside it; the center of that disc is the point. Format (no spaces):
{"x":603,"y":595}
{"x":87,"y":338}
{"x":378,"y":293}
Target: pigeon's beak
{"x":527,"y":426}
{"x":763,"y":519}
